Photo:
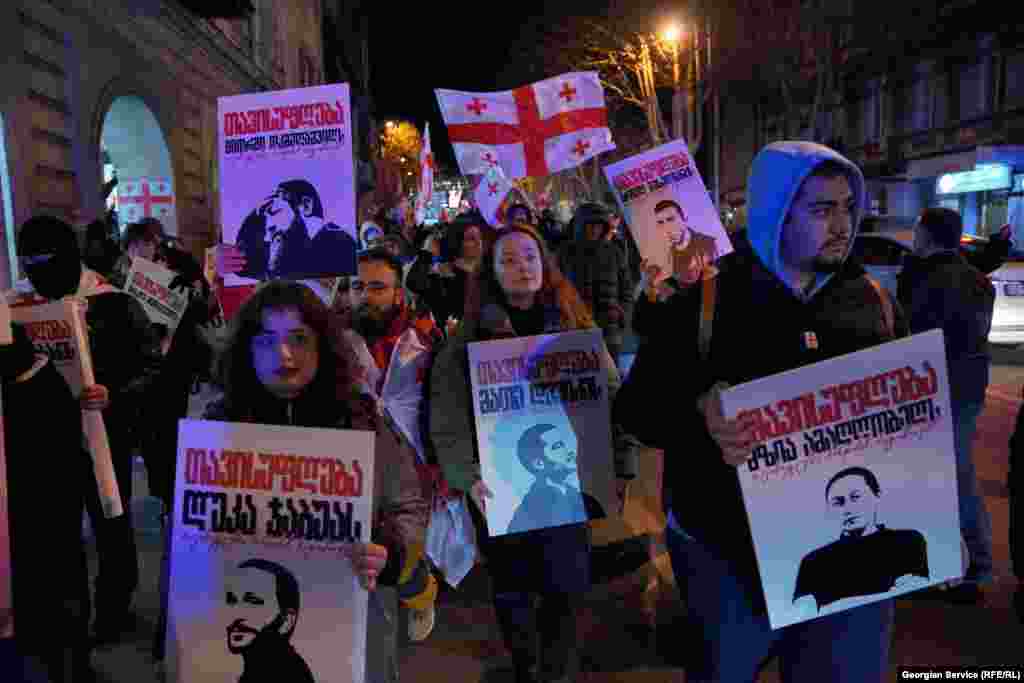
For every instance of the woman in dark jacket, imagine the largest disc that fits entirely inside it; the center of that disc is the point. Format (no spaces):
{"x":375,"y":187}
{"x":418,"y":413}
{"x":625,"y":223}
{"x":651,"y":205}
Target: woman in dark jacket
{"x":287,"y":364}
{"x":443,"y":289}
{"x":519,"y":292}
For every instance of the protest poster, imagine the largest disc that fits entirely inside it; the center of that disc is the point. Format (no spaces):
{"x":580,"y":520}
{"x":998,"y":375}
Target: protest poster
{"x":150,"y":284}
{"x":261,"y":581}
{"x":669,"y":211}
{"x":287,"y":192}
{"x":58,"y":330}
{"x":6,"y":606}
{"x":543,"y":429}
{"x":851,"y":487}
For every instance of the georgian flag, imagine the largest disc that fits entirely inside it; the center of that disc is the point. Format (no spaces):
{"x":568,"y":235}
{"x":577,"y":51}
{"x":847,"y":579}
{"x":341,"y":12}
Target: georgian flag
{"x":144,"y":197}
{"x":426,"y":177}
{"x":490,"y":192}
{"x":535,"y":130}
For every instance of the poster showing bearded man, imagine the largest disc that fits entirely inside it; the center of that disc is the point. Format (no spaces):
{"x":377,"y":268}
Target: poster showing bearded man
{"x":287,"y":183}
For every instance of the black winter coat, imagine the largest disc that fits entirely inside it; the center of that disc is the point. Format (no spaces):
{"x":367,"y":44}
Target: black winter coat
{"x":759,"y":330}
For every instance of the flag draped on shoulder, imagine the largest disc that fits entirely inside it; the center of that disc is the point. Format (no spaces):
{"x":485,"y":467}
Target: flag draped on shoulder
{"x":535,"y":130}
{"x":426,"y":177}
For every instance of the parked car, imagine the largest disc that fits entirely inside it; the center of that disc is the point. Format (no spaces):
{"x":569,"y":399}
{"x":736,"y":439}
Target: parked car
{"x":882,"y":256}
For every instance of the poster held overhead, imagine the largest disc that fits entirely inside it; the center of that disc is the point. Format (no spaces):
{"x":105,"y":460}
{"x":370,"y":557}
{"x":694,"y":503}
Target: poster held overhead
{"x":543,"y":429}
{"x":261,"y":580}
{"x":669,"y":211}
{"x":287,"y":190}
{"x":853,"y":466}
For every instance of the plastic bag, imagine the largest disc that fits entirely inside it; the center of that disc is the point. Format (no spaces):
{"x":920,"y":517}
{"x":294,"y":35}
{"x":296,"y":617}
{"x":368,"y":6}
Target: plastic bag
{"x":451,"y":538}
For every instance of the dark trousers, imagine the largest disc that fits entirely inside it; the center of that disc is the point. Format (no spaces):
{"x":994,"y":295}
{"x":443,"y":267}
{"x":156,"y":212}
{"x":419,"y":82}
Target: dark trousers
{"x":537,"y":579}
{"x":115,"y":538}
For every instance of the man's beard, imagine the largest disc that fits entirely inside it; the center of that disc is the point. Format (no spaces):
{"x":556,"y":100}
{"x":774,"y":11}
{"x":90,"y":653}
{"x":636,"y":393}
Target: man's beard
{"x":828,"y":265}
{"x":373,"y":323}
{"x":269,"y":635}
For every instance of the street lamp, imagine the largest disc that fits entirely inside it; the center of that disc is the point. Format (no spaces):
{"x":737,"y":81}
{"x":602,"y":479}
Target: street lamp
{"x":672,"y":35}
{"x":389,"y":124}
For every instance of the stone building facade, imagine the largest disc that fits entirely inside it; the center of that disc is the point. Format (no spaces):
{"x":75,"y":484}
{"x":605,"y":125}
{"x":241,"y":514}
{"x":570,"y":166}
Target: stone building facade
{"x":89,"y":85}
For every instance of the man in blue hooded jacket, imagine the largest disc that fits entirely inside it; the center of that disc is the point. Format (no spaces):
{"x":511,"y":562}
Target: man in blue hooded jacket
{"x":789,"y":299}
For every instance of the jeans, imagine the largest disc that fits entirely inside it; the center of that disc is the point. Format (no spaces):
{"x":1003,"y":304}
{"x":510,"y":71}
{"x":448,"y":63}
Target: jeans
{"x":975,"y":523}
{"x":849,"y":647}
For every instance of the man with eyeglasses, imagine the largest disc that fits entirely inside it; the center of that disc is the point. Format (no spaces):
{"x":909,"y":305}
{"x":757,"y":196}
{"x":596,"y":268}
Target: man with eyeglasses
{"x":386,"y":322}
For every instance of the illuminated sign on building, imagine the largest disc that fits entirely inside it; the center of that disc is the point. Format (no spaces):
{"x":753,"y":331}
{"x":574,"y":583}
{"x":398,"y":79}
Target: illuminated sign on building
{"x":981,"y":179}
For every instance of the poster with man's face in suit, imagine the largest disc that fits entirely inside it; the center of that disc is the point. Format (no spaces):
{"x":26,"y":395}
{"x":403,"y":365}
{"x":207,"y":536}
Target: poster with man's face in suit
{"x":261,"y":587}
{"x":850,"y":488}
{"x":286,"y":183}
{"x":543,"y":430}
{"x":668,"y":209}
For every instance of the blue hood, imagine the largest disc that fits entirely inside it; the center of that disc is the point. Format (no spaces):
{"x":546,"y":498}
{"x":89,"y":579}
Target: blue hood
{"x":775,"y":177}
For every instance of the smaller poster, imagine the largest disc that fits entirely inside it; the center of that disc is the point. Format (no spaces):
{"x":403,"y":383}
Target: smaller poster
{"x":150,"y":284}
{"x":287,"y":191}
{"x":262,"y":585}
{"x":851,"y":487}
{"x":58,"y":330}
{"x":543,"y":427}
{"x":669,"y":211}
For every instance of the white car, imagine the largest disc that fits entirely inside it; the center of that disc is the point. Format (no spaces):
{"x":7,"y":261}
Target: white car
{"x":882,"y":256}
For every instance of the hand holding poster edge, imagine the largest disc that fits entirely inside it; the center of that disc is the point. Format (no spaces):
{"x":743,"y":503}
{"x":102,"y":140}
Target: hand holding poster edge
{"x":939,"y":520}
{"x":92,"y":422}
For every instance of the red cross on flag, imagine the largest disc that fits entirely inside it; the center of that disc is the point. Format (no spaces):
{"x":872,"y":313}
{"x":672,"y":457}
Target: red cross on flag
{"x":426,"y":177}
{"x":490,"y":192}
{"x":535,"y":130}
{"x":144,"y":197}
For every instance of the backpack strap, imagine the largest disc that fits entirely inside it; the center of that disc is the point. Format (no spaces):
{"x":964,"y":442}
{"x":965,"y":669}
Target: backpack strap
{"x":888,"y":314}
{"x":707,"y":316}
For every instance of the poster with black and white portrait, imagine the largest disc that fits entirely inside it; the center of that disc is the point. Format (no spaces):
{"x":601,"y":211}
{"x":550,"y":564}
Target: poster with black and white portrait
{"x":262,"y":588}
{"x":850,"y":488}
{"x":287,"y":184}
{"x":543,"y":427}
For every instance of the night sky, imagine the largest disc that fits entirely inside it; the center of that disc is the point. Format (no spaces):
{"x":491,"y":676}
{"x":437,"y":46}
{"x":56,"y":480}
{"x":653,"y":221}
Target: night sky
{"x":466,"y":46}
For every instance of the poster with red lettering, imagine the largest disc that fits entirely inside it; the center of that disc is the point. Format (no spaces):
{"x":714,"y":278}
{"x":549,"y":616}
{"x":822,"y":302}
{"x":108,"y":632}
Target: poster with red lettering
{"x":287,"y":187}
{"x":58,"y":330}
{"x":850,"y":488}
{"x":669,"y":211}
{"x":543,"y":430}
{"x":150,"y":284}
{"x":264,"y":523}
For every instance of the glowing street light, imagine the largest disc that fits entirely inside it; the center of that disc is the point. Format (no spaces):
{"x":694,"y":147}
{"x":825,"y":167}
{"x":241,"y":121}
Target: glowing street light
{"x":671,"y":33}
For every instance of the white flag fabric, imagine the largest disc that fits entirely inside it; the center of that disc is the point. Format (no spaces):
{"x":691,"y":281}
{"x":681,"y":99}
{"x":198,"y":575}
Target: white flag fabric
{"x":491,"y":191}
{"x":145,"y":197}
{"x":535,"y":130}
{"x":426,"y":178}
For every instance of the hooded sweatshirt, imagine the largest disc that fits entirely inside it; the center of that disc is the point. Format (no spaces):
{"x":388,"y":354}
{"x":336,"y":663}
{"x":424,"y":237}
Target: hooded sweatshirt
{"x":762,"y":327}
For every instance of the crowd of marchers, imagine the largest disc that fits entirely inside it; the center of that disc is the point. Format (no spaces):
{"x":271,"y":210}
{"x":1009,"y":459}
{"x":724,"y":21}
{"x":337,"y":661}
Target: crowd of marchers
{"x":290,"y":357}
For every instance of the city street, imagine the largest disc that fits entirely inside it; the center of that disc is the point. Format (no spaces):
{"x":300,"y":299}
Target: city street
{"x":616,"y":643}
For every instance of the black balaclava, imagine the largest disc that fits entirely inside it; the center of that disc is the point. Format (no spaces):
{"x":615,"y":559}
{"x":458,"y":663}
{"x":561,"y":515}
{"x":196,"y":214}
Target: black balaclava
{"x":59,"y":275}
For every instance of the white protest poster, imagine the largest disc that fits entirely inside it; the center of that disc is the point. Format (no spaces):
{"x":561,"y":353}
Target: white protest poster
{"x":150,"y":284}
{"x":543,"y":428}
{"x":58,"y":329}
{"x":851,"y":489}
{"x":6,"y":607}
{"x":261,"y":580}
{"x":287,"y":195}
{"x":669,"y":211}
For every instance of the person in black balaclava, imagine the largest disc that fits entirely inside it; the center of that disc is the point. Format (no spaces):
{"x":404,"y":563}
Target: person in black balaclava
{"x":125,"y":358}
{"x":50,"y":578}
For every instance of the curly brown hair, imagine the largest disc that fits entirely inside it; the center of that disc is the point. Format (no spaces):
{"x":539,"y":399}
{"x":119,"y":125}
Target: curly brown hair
{"x":333,"y":387}
{"x":556,"y":289}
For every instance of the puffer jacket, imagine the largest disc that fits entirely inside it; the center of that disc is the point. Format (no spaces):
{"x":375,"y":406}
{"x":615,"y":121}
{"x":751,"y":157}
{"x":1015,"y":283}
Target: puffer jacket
{"x":599,"y":272}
